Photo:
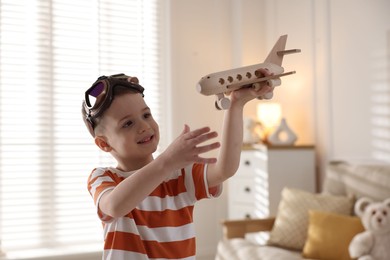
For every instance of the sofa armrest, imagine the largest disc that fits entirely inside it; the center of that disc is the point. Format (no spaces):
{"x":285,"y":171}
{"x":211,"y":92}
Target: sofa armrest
{"x":238,"y":228}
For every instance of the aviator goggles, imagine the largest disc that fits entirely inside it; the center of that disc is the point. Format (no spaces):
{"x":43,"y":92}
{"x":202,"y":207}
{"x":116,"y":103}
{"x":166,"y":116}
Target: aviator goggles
{"x":99,"y":97}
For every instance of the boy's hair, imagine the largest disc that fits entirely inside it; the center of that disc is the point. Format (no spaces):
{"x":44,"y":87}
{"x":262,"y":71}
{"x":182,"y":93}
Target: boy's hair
{"x":91,"y":122}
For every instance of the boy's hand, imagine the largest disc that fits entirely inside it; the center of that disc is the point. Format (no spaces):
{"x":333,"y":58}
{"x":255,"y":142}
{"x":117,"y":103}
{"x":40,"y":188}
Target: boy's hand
{"x":187,"y":148}
{"x":246,"y":94}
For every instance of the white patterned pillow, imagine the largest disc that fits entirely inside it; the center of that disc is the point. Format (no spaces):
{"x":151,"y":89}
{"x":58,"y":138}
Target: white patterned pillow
{"x":292,"y":219}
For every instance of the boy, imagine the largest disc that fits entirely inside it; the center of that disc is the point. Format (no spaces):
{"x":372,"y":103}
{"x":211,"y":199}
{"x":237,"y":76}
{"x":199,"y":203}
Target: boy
{"x":146,"y":204}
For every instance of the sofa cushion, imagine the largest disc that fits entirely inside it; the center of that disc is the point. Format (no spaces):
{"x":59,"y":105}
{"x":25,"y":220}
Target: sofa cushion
{"x":329,"y":235}
{"x":292,"y":219}
{"x":360,"y":180}
{"x":239,"y":249}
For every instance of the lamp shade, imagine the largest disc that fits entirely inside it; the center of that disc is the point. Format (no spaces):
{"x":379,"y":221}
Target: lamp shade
{"x":269,"y":114}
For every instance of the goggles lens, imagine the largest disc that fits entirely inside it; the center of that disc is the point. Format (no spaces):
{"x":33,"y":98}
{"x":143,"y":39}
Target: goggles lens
{"x":92,"y":94}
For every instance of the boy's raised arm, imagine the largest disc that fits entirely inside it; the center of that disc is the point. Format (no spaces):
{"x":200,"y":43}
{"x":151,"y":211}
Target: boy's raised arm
{"x":232,"y":135}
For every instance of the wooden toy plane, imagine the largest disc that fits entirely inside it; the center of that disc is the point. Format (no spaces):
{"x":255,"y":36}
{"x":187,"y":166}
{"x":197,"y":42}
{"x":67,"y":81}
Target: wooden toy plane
{"x":224,"y":82}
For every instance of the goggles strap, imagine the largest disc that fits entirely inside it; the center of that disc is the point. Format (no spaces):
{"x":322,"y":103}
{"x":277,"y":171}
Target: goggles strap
{"x":89,"y":118}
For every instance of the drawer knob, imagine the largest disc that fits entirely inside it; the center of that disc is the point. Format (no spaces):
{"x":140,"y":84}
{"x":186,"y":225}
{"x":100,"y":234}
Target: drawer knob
{"x":247,"y":216}
{"x":247,"y":163}
{"x":247,"y":189}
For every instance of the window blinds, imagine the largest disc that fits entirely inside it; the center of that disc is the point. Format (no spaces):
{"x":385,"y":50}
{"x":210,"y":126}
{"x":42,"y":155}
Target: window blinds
{"x":51,"y":51}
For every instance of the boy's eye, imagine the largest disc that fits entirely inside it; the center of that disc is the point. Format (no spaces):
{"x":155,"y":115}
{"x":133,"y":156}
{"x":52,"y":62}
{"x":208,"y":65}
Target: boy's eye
{"x":147,"y":115}
{"x":127,"y":124}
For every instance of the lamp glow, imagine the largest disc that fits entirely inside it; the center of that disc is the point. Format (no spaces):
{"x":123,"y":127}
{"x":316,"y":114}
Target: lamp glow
{"x":269,"y":115}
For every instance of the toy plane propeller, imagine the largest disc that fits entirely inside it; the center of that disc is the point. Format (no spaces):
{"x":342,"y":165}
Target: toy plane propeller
{"x":224,"y":82}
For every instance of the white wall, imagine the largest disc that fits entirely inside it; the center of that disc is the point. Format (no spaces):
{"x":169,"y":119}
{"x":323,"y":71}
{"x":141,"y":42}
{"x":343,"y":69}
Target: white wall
{"x":339,"y":99}
{"x":360,"y":66}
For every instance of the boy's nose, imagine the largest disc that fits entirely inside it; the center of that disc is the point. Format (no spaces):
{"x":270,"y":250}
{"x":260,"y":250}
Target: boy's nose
{"x":144,"y":126}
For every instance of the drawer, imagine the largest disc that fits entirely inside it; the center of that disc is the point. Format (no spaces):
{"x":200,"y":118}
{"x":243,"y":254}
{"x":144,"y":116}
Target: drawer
{"x":241,"y":212}
{"x":247,"y":164}
{"x":250,"y":162}
{"x":242,"y":190}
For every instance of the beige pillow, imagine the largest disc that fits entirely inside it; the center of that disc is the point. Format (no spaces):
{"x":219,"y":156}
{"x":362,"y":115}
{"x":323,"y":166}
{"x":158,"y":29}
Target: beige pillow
{"x":292,"y":219}
{"x":329,"y":235}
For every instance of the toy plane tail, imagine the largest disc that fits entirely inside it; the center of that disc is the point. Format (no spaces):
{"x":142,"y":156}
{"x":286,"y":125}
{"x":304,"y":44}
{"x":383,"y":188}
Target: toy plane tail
{"x":278,"y":51}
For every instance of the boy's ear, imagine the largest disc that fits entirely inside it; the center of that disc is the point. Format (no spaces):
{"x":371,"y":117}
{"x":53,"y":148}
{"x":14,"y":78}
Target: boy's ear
{"x":101,"y":142}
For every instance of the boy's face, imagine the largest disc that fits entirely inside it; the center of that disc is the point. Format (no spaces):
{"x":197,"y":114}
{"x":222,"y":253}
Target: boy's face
{"x":130,"y":131}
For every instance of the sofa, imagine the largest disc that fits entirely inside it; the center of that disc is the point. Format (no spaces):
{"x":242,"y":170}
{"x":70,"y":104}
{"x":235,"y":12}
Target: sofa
{"x":309,"y":225}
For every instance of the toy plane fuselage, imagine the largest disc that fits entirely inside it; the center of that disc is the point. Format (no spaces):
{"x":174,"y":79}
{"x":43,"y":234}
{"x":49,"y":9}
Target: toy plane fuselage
{"x":224,"y":82}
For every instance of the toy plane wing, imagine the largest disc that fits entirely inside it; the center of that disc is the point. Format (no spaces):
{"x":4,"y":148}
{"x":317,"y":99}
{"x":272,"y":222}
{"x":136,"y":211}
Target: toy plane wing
{"x":224,"y":82}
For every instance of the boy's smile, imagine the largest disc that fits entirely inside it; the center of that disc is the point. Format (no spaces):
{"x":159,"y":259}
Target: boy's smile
{"x":146,"y":140}
{"x":130,"y":131}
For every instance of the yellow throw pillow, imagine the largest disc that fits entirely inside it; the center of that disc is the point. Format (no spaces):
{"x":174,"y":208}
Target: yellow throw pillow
{"x":329,"y":235}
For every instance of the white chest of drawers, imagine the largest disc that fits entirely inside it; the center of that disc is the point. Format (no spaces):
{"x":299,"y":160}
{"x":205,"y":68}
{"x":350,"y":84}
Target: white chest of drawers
{"x":254,"y":191}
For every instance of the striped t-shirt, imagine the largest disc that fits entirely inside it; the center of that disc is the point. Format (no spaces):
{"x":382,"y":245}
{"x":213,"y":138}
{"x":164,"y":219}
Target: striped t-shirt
{"x":161,"y":226}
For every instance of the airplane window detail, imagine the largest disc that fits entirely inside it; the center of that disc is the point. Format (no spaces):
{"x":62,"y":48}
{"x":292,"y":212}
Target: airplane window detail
{"x":258,"y":74}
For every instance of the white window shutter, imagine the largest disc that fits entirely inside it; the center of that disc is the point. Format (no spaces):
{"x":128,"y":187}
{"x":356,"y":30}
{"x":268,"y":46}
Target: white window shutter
{"x":51,"y":51}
